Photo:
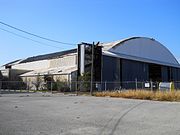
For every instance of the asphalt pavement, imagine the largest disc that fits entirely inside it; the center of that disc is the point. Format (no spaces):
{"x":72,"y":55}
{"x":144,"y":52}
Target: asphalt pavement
{"x":58,"y":114}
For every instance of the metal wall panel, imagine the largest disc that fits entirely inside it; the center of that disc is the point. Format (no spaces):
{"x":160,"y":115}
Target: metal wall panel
{"x":178,"y":70}
{"x":111,"y":72}
{"x":143,"y":48}
{"x":175,"y":76}
{"x":123,"y":73}
{"x":132,"y":70}
{"x":111,"y":69}
{"x":165,"y":74}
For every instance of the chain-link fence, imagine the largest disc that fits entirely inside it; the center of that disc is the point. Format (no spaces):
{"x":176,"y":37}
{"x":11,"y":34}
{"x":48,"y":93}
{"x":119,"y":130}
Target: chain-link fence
{"x":33,"y":86}
{"x":77,"y":86}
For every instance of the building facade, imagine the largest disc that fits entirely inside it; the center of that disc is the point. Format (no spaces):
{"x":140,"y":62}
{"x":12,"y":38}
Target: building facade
{"x":133,"y":59}
{"x":37,"y":70}
{"x":137,"y":59}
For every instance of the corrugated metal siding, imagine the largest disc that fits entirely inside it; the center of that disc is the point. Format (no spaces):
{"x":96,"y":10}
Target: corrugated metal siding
{"x":123,"y":71}
{"x":111,"y":69}
{"x":132,"y":70}
{"x":164,"y":73}
{"x":145,"y":48}
{"x":111,"y":72}
{"x":175,"y":77}
{"x":173,"y":74}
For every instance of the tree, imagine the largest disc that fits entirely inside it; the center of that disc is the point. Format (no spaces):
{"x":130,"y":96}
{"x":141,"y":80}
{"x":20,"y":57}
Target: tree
{"x":48,"y":80}
{"x":84,"y":81}
{"x":37,"y":82}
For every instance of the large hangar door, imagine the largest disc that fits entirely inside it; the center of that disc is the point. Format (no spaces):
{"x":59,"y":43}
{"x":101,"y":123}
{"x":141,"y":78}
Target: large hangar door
{"x":132,"y":70}
{"x":155,"y":73}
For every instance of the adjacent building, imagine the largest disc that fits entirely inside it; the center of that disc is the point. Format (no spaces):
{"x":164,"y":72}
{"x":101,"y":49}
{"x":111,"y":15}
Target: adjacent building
{"x":59,"y":66}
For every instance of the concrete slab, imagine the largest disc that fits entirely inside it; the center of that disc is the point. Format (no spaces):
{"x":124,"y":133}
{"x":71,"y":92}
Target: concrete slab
{"x":60,"y":114}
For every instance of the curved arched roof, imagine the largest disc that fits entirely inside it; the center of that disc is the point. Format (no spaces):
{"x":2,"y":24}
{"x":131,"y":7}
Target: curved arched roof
{"x":141,"y":49}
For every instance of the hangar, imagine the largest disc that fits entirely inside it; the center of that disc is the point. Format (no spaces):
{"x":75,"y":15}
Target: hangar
{"x":133,"y":59}
{"x":139,"y":59}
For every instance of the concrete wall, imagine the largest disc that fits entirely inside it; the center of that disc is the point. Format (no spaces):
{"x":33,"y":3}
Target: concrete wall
{"x":63,"y":78}
{"x":11,"y":79}
{"x":5,"y":73}
{"x":32,"y":81}
{"x":18,"y":69}
{"x":35,"y":65}
{"x":12,"y":74}
{"x":67,"y":60}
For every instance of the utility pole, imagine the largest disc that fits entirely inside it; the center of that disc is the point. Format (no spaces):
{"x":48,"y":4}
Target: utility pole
{"x":92,"y":68}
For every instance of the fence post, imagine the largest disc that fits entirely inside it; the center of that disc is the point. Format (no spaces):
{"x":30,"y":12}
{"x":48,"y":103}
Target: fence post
{"x":27,"y":87}
{"x":51,"y":87}
{"x":136,"y":83}
{"x":0,"y":86}
{"x":105,"y":85}
{"x":76,"y":85}
{"x":10,"y":83}
{"x":17,"y":85}
{"x":151,"y":85}
{"x":70,"y":85}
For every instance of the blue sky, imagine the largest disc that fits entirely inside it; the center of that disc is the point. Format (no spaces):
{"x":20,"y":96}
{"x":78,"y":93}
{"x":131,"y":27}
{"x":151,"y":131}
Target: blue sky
{"x":75,"y":21}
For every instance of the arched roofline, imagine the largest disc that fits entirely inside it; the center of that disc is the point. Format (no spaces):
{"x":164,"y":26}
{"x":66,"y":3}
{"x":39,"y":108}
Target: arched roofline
{"x":114,"y":48}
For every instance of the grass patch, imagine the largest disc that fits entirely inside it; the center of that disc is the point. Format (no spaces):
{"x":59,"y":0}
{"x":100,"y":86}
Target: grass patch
{"x":142,"y":94}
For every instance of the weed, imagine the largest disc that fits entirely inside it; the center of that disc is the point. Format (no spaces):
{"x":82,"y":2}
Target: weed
{"x":142,"y":94}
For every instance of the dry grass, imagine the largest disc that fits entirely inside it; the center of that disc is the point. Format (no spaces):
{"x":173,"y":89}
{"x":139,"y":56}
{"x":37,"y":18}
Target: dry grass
{"x":142,"y":94}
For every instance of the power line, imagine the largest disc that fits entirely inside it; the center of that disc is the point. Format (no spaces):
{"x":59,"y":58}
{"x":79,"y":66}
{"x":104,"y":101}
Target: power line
{"x":29,"y":38}
{"x":48,"y":39}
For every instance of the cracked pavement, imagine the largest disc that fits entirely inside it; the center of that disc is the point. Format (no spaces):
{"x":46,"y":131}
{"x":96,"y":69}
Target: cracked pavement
{"x":36,"y":114}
